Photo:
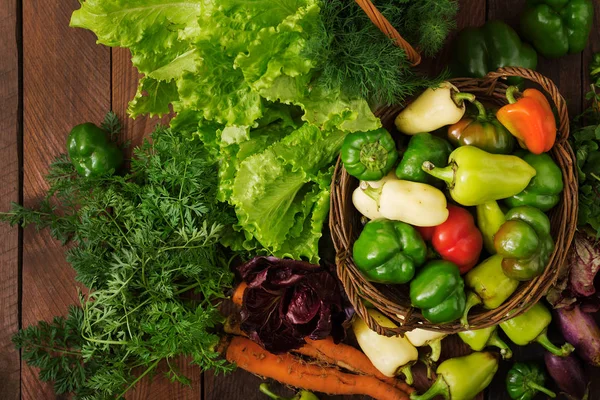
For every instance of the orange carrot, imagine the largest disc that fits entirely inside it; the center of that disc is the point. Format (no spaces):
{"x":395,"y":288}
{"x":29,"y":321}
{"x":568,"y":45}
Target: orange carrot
{"x":290,"y":370}
{"x":353,"y":360}
{"x":238,"y":294}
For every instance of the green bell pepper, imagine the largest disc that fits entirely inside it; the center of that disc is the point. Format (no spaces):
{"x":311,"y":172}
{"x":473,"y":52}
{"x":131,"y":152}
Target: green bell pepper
{"x":389,"y":251}
{"x":462,"y":378}
{"x":489,"y":285}
{"x":478,"y":51}
{"x":525,"y":380}
{"x":558,"y":27}
{"x":490,"y":219}
{"x":544,"y":190}
{"x":91,"y":151}
{"x":483,"y":131}
{"x":423,"y":147}
{"x":524,"y":242}
{"x":369,"y":156}
{"x":486,"y":337}
{"x":302,"y":395}
{"x":438,"y":290}
{"x":475,"y":177}
{"x":531,"y":326}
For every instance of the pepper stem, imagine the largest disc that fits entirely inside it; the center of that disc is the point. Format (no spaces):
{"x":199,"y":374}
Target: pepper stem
{"x":459,"y":98}
{"x":542,"y":389}
{"x":264,"y":388}
{"x":436,"y":349}
{"x":472,"y":300}
{"x":481,"y":111}
{"x":446,"y":174}
{"x":439,"y":388}
{"x":374,"y":193}
{"x":510,"y":94}
{"x":495,"y":341}
{"x":407,"y":372}
{"x":562,"y":351}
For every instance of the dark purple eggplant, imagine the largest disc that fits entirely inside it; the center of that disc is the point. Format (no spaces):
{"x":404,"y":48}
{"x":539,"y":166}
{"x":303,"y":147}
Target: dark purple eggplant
{"x":580,"y":329}
{"x":568,"y":374}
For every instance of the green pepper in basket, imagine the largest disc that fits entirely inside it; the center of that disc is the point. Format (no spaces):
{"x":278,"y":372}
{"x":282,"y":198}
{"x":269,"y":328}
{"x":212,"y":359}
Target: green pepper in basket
{"x":462,"y":378}
{"x":486,"y":337}
{"x":478,"y":51}
{"x":544,"y":190}
{"x":91,"y":151}
{"x":369,"y":156}
{"x":438,"y":290}
{"x":489,"y":285}
{"x":531,"y":327}
{"x":525,"y":380}
{"x":389,"y":251}
{"x":490,"y":219}
{"x":558,"y":27}
{"x":423,"y":147}
{"x":524,"y":242}
{"x":475,"y":177}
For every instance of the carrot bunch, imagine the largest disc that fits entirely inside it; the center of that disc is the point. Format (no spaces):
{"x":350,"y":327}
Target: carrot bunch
{"x":326,"y":376}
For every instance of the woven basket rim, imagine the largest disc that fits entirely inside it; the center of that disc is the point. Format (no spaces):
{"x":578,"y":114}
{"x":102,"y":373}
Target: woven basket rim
{"x":388,"y":29}
{"x":563,"y":217}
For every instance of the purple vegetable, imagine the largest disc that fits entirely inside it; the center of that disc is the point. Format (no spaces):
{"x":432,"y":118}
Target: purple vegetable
{"x":584,"y":260}
{"x":581,"y":331}
{"x":288,"y":300}
{"x":567,"y":373}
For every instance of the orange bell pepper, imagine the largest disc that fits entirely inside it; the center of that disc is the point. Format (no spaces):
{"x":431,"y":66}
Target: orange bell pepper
{"x":529,"y":119}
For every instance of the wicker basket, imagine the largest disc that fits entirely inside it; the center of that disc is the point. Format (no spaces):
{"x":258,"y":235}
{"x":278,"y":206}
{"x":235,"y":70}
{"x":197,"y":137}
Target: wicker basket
{"x":394,"y":300}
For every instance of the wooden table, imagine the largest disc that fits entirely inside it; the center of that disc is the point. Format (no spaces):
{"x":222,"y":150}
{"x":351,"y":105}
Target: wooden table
{"x":53,"y":77}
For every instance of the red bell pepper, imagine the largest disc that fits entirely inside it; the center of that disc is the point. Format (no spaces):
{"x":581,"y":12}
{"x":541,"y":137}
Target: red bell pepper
{"x":529,"y":119}
{"x":457,"y":240}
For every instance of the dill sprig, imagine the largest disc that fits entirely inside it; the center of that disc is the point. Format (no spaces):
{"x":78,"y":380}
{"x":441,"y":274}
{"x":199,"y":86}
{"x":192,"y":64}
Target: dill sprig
{"x":147,"y":246}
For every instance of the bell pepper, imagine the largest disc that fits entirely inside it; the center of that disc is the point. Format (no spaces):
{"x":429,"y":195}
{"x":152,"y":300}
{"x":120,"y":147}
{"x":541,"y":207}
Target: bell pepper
{"x":389,"y":251}
{"x":458,"y":240}
{"x":433,"y":109}
{"x":390,"y":355}
{"x":489,"y":286}
{"x":369,"y":155}
{"x":478,"y":51}
{"x":529,"y":119}
{"x":524,"y":242}
{"x":475,"y":177}
{"x":531,"y":326}
{"x":91,"y":151}
{"x":433,"y":339}
{"x":415,"y":203}
{"x":462,"y":378}
{"x":301,"y":395}
{"x":438,"y":290}
{"x":483,"y":131}
{"x":490,"y":219}
{"x":365,"y":204}
{"x":423,"y":147}
{"x":479,"y":339}
{"x":558,"y":27}
{"x":544,"y":190}
{"x":525,"y":380}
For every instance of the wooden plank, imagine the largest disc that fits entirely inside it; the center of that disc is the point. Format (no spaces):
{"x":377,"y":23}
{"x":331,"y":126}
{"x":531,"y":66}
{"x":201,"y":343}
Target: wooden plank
{"x":124,"y":85}
{"x":10,"y":137}
{"x":66,"y":82}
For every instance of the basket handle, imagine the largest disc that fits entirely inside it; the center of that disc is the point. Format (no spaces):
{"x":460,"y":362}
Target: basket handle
{"x":547,"y":85}
{"x":384,"y":26}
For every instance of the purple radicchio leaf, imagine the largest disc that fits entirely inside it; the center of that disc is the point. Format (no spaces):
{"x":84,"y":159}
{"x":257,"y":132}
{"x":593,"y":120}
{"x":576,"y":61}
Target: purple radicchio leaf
{"x":585,"y":263}
{"x":288,"y":300}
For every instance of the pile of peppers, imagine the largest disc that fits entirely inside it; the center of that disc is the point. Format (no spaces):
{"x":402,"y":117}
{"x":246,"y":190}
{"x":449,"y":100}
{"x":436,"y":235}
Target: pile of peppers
{"x":458,"y":216}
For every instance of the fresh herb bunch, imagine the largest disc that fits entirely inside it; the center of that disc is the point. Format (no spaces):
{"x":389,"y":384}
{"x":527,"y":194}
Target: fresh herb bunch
{"x":358,"y":57}
{"x":585,"y":140}
{"x":147,"y":246}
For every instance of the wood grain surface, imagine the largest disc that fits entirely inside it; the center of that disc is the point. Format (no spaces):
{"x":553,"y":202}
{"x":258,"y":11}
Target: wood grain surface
{"x":53,"y":77}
